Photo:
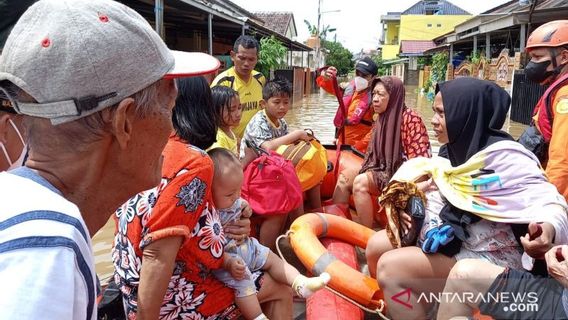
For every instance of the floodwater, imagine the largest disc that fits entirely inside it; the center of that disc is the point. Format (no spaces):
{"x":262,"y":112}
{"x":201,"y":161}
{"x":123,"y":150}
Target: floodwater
{"x":315,"y":112}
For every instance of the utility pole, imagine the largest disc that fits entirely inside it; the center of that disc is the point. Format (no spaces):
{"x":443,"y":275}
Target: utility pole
{"x":159,"y":13}
{"x":318,"y":40}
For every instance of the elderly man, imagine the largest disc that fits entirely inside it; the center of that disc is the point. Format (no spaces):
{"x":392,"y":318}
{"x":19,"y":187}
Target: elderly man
{"x":94,"y":82}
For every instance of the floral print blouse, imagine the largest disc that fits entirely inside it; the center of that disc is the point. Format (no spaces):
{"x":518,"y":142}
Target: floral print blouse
{"x":180,"y":206}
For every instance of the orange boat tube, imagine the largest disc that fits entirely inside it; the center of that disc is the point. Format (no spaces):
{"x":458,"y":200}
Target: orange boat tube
{"x":304,"y":234}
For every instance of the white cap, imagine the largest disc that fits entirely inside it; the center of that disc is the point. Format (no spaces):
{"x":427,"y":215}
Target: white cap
{"x":76,"y":57}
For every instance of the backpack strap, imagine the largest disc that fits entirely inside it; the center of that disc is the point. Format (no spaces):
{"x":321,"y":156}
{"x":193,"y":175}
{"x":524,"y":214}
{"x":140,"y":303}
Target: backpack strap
{"x":259,"y":76}
{"x":230,"y":79}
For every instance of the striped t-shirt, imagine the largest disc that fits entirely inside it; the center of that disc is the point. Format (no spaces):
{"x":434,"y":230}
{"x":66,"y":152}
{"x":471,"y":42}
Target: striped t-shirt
{"x":46,"y":261}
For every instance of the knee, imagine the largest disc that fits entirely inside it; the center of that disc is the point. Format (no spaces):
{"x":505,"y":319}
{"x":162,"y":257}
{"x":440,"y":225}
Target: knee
{"x":373,"y":249}
{"x":461,"y":276}
{"x":386,"y":269}
{"x":361,"y":183}
{"x":463,"y":270}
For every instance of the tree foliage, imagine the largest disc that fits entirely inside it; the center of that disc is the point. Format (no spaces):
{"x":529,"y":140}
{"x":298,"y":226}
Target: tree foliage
{"x":382,"y":68}
{"x":338,"y":56}
{"x":271,"y":56}
{"x":313,"y":29}
{"x":440,"y":62}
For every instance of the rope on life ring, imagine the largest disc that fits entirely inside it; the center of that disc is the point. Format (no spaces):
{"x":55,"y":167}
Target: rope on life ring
{"x":378,"y":311}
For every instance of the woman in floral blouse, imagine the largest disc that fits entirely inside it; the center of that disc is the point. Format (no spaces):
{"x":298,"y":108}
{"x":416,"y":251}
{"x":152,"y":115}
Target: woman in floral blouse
{"x":398,"y":134}
{"x":169,"y":239}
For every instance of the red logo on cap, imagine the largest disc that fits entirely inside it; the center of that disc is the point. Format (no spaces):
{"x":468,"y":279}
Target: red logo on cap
{"x":103,"y":18}
{"x":45,"y":42}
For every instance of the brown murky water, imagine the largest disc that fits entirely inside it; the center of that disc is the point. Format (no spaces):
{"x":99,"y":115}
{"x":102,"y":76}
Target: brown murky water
{"x":315,"y":112}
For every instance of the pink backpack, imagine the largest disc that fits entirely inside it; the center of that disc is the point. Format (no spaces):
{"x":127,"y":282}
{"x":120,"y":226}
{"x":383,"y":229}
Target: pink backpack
{"x":270,"y":185}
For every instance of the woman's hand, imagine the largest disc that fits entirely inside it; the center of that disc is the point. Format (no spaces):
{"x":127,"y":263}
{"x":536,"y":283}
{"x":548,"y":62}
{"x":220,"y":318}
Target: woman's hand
{"x":539,"y":239}
{"x":239,"y":230}
{"x":427,"y":184}
{"x":246,"y":210}
{"x":329,"y":72}
{"x":557,"y":264}
{"x":405,"y":222}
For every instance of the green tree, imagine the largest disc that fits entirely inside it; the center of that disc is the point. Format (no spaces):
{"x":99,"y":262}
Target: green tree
{"x":271,"y":56}
{"x":440,"y":62}
{"x":380,"y":64}
{"x":338,"y":56}
{"x":313,"y":29}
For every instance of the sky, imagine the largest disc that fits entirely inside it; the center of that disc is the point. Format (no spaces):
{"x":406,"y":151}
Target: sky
{"x":358,"y":23}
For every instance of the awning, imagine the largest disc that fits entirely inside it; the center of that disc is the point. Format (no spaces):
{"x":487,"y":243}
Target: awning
{"x":395,"y":61}
{"x":415,"y":47}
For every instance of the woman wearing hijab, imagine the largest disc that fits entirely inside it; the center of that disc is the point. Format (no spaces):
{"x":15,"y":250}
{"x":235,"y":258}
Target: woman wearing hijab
{"x":488,"y":182}
{"x":399,"y":134}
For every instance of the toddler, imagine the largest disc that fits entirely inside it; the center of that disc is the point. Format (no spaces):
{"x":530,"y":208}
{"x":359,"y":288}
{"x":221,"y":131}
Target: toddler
{"x":248,"y":255}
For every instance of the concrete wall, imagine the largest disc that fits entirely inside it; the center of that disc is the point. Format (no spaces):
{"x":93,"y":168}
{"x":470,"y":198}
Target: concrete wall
{"x":392,"y":32}
{"x":427,"y":27}
{"x":412,"y":77}
{"x":390,"y":51}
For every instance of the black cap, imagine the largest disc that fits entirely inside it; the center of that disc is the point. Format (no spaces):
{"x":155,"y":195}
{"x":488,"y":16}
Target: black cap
{"x":367,"y":66}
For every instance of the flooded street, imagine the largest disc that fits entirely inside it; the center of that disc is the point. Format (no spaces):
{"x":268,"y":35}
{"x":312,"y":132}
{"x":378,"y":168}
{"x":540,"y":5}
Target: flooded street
{"x":315,"y":112}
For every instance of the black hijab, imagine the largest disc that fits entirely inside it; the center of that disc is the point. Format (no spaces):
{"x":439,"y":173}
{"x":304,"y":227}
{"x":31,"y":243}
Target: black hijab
{"x":475,"y":111}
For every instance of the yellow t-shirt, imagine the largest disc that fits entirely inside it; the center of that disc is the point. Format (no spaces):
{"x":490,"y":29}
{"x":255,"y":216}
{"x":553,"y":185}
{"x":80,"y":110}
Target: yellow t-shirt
{"x":225,"y":141}
{"x":250,"y":94}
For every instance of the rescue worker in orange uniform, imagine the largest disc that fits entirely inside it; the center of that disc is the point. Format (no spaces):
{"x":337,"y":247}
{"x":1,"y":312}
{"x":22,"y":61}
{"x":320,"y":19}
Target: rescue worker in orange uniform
{"x":547,"y":47}
{"x":358,"y":121}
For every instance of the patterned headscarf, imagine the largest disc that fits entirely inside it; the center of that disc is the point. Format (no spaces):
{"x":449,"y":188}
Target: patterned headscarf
{"x":384,"y":154}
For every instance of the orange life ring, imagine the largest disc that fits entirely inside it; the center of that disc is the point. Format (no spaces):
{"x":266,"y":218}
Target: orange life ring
{"x":304,"y":233}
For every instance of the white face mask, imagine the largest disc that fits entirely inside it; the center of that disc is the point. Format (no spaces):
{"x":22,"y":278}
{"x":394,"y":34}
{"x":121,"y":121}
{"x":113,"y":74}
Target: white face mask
{"x":18,"y":162}
{"x":361,"y":83}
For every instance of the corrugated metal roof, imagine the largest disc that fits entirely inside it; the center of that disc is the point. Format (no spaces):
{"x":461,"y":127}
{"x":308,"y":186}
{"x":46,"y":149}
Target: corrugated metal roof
{"x":443,"y":7}
{"x":415,"y":47}
{"x":514,"y":5}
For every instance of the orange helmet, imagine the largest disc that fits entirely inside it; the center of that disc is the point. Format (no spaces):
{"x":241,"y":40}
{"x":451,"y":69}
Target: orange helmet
{"x":551,"y":34}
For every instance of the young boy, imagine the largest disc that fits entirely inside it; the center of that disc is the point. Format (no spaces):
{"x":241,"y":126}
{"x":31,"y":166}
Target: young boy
{"x":242,"y":257}
{"x":268,"y":130}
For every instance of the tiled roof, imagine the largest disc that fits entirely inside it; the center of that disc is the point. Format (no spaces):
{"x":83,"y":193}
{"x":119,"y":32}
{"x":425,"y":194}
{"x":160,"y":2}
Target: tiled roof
{"x":443,"y":7}
{"x":415,"y":47}
{"x":275,"y":21}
